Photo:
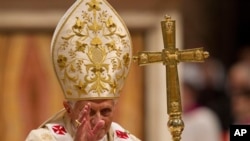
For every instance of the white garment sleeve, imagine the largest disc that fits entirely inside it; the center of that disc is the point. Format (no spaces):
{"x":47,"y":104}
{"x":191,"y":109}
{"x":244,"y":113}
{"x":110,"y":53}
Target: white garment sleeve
{"x":40,"y":134}
{"x":134,"y":138}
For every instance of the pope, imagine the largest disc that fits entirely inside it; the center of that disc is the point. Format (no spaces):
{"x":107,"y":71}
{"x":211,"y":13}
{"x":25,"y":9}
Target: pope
{"x":91,"y":53}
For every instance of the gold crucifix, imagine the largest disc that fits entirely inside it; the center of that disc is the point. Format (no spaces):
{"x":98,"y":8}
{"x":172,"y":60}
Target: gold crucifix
{"x":171,"y":56}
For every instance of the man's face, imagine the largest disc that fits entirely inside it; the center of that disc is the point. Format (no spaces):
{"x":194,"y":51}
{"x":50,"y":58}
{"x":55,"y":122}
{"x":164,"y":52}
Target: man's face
{"x":99,"y":110}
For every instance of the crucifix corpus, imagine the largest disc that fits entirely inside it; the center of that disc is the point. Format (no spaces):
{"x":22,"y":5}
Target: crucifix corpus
{"x":171,"y":56}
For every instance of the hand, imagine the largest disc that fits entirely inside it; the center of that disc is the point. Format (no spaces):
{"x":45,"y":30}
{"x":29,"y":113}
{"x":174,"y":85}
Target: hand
{"x":85,"y":132}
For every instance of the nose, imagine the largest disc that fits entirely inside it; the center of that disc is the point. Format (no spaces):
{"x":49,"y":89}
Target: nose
{"x":97,"y":117}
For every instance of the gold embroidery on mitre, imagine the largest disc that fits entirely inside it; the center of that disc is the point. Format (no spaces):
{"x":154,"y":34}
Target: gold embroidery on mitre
{"x":91,"y":51}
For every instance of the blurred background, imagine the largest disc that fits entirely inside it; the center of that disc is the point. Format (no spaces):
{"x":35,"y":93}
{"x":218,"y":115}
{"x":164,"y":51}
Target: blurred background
{"x":215,"y":93}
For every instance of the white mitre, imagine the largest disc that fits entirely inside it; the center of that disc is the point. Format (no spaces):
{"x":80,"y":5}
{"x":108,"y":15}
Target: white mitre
{"x":91,"y":51}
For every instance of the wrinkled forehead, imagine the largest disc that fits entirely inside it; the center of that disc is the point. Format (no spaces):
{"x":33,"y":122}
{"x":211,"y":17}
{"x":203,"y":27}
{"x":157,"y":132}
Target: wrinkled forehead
{"x":99,"y":102}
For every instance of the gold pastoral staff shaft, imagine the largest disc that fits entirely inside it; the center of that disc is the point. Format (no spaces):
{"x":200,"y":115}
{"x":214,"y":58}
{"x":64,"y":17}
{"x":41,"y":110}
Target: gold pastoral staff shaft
{"x":170,"y":57}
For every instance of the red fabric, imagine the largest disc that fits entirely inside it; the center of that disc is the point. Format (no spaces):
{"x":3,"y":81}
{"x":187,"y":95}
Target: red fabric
{"x":58,"y":129}
{"x":121,"y":134}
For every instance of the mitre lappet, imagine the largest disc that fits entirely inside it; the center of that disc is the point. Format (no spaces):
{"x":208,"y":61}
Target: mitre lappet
{"x":91,"y":51}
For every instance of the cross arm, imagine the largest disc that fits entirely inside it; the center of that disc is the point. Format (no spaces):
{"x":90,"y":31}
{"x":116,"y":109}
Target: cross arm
{"x":167,"y":56}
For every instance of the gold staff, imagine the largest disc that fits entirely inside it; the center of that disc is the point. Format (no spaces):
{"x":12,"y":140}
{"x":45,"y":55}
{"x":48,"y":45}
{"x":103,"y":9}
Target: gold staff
{"x":171,"y":56}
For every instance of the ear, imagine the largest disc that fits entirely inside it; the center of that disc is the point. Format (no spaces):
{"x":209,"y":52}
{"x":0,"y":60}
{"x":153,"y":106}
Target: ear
{"x":67,"y":106}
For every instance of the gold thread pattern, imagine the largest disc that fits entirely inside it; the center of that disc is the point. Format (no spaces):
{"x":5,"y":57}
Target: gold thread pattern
{"x":92,"y":54}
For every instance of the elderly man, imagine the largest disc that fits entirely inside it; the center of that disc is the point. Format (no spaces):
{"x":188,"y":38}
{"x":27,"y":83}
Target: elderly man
{"x":91,"y":53}
{"x":85,"y":120}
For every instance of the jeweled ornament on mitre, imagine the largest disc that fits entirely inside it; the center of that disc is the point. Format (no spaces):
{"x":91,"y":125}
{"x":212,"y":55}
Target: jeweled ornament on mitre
{"x":91,"y":51}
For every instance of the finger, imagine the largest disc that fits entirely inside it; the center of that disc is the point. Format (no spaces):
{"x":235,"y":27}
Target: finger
{"x":84,"y":121}
{"x":88,"y":107}
{"x":100,"y":124}
{"x":83,"y":117}
{"x":84,"y":125}
{"x":84,"y":114}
